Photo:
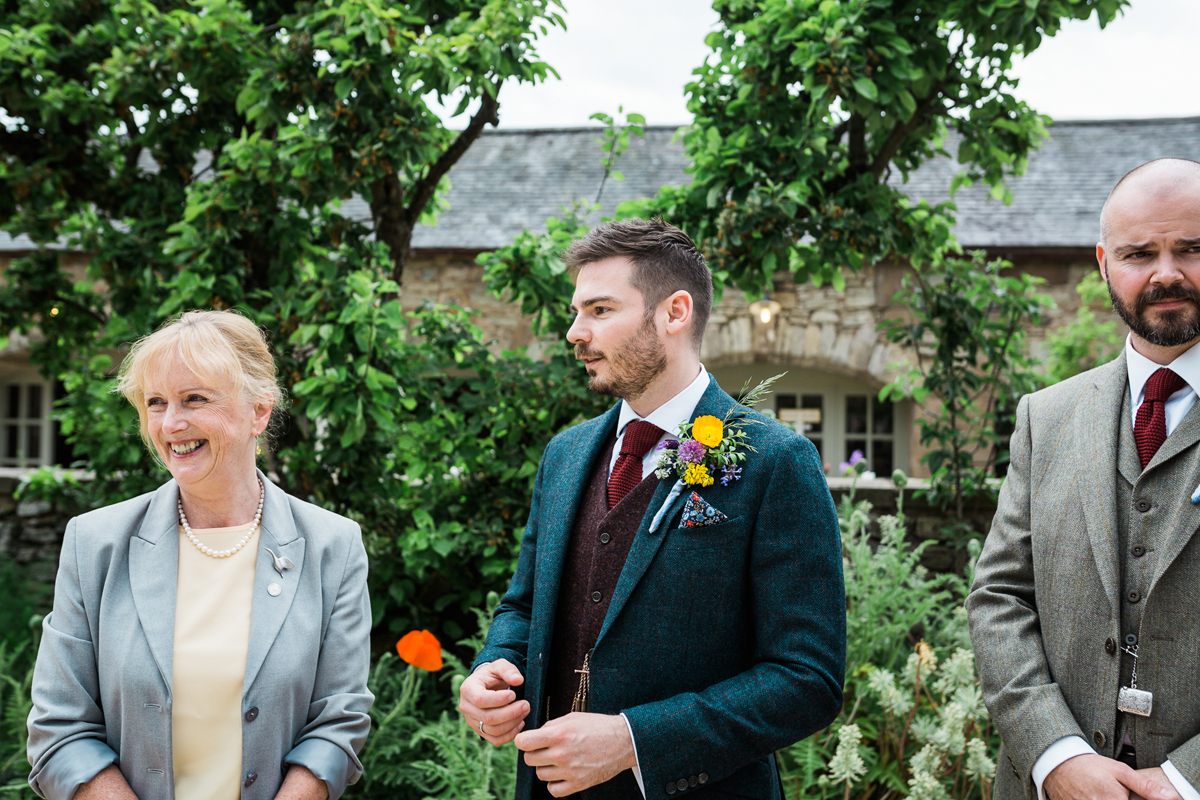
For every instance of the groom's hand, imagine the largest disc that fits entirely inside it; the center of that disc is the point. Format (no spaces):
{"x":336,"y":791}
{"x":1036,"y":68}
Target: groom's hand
{"x":578,"y":751}
{"x":486,"y":696}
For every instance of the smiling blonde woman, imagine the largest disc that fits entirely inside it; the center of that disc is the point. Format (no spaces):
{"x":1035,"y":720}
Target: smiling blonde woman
{"x":209,"y":640}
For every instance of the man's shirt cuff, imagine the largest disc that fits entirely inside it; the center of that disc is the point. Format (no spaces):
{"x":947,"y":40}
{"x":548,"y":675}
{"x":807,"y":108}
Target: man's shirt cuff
{"x":637,"y":770}
{"x":1066,"y":748}
{"x":1185,"y":789}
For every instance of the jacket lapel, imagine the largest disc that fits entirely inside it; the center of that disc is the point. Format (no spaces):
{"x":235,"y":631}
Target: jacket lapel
{"x":1098,"y":427}
{"x":714,"y":402}
{"x":268,"y":612}
{"x":1180,"y":481}
{"x":153,"y":570}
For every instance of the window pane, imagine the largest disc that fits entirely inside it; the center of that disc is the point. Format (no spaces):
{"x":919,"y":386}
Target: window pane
{"x":881,"y":458}
{"x":33,"y":443}
{"x":12,"y":410}
{"x":856,"y":413}
{"x":853,"y":445}
{"x":34,"y":409}
{"x":814,"y":402}
{"x":783,"y":401}
{"x":881,"y":419}
{"x":12,"y":441}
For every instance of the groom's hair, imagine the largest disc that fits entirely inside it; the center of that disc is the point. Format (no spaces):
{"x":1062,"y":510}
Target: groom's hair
{"x":665,"y":260}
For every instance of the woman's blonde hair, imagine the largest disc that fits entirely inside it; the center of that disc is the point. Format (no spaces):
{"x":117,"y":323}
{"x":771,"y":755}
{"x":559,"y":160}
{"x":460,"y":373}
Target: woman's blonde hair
{"x":222,"y":348}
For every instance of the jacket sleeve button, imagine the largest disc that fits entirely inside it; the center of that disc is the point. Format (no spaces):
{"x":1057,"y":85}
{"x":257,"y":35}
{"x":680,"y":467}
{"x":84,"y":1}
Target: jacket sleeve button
{"x":671,"y":788}
{"x":681,"y":784}
{"x":702,"y":777}
{"x":692,"y":781}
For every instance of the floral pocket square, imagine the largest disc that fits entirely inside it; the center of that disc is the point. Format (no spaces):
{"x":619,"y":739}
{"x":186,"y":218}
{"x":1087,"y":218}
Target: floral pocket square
{"x":697,"y":513}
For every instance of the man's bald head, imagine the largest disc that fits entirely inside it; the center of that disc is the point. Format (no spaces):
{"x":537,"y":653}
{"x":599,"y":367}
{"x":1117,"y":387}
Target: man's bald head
{"x":1154,"y":177}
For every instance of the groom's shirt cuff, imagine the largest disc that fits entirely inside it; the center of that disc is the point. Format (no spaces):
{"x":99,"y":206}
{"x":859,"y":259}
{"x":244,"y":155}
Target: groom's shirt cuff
{"x":1185,"y":789}
{"x":637,"y":770}
{"x":1065,"y":748}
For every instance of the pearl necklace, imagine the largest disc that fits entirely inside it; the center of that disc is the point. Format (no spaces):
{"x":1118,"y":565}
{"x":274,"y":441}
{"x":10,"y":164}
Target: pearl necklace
{"x":208,"y":551}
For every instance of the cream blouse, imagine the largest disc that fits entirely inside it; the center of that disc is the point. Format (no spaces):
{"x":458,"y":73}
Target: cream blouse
{"x":212,"y":635}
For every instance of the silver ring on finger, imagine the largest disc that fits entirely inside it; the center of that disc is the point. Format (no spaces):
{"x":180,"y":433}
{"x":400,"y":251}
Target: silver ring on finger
{"x":481,"y":733}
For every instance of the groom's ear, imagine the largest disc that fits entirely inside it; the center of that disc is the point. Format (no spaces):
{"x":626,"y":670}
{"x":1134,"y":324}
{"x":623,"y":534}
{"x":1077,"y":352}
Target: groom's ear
{"x":679,"y":312}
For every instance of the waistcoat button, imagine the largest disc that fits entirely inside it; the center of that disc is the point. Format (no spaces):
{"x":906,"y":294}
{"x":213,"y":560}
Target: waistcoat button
{"x":1138,"y":551}
{"x":604,"y":537}
{"x":1134,"y":595}
{"x":1110,"y":646}
{"x":1142,"y":505}
{"x":596,"y":597}
{"x":1131,"y":639}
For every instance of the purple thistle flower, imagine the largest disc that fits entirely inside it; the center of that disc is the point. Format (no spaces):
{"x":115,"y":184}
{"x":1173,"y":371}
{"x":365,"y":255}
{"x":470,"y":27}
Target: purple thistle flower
{"x":729,"y":474}
{"x":692,"y":452}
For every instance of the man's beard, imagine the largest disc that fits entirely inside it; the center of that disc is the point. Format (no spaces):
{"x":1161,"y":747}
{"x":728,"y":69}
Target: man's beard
{"x":632,"y":368}
{"x":1173,"y":328}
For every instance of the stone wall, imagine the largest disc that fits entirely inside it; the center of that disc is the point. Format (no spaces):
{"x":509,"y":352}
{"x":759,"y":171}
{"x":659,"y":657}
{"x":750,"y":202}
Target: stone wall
{"x":30,"y":535}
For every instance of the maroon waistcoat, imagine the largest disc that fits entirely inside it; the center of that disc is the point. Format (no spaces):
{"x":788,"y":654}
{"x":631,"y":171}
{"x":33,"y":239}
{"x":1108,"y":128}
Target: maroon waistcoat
{"x":600,"y":543}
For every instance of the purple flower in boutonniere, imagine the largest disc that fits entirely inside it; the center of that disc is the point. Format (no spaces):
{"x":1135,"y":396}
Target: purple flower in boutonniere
{"x":692,"y":452}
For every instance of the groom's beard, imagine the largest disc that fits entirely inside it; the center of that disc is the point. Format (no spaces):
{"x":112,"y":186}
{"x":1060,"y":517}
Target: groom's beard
{"x":1173,"y":328}
{"x":632,"y":368}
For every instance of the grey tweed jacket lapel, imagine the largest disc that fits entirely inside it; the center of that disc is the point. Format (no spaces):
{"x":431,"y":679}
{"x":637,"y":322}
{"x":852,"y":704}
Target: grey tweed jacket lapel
{"x":1098,"y":431}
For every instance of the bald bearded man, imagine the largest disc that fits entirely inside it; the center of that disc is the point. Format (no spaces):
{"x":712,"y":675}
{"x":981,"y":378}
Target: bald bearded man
{"x":1085,"y":611}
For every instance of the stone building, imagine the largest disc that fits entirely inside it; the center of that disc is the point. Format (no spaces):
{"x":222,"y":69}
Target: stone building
{"x":824,"y":339}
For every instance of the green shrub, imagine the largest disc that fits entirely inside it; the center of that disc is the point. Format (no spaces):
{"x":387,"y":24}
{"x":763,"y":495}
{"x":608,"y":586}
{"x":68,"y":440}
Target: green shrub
{"x":913,"y":723}
{"x":16,"y":677}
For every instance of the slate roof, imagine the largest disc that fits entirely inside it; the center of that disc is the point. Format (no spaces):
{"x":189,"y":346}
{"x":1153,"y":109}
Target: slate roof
{"x":514,"y":179}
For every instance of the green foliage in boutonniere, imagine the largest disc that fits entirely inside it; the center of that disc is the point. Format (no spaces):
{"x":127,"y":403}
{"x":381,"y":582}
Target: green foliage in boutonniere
{"x":711,"y":449}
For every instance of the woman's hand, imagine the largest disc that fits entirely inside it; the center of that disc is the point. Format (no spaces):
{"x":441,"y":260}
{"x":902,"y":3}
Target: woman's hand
{"x":109,"y":784}
{"x":300,"y":784}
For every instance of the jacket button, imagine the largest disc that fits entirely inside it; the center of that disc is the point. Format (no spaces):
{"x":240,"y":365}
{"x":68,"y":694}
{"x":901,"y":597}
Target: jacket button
{"x":596,"y":597}
{"x":604,"y":538}
{"x":1110,"y":646}
{"x":250,"y":779}
{"x":1133,"y":596}
{"x":1099,"y":738}
{"x":692,"y":781}
{"x":252,"y":714}
{"x":1142,"y":505}
{"x":670,"y":788}
{"x":1131,"y":639}
{"x":702,"y":777}
{"x":1138,"y":551}
{"x":681,"y":784}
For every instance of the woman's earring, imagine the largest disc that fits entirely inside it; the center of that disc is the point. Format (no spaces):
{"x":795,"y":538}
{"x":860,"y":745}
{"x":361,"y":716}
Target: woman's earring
{"x":258,"y":451}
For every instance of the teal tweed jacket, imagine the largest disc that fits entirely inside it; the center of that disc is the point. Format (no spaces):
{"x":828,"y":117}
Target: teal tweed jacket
{"x":722,"y":643}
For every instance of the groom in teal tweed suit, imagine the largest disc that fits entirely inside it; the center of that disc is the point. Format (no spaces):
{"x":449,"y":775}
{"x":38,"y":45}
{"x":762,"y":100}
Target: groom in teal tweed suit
{"x":660,"y":639}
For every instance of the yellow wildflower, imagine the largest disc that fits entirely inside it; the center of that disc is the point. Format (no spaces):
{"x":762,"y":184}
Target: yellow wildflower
{"x":708,"y":431}
{"x":697,"y":475}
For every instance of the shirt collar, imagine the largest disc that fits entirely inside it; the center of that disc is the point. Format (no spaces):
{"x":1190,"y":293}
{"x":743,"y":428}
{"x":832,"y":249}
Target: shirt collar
{"x":1140,"y":368}
{"x":671,"y":414}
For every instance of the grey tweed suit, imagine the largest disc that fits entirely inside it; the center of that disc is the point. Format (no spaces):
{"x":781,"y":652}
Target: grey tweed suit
{"x":102,"y":684}
{"x":1078,"y":528}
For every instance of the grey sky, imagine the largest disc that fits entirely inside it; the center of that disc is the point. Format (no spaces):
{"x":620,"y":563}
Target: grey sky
{"x":640,"y":53}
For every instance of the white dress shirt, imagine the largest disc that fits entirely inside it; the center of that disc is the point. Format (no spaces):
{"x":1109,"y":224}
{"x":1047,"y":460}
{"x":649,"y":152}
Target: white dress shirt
{"x":669,"y":416}
{"x":1140,"y":368}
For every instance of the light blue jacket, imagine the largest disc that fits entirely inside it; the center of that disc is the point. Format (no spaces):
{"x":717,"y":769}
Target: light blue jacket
{"x":102,"y":684}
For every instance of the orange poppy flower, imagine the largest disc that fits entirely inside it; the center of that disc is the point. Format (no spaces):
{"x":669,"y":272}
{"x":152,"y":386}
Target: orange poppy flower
{"x":708,"y":431}
{"x":421,"y":649}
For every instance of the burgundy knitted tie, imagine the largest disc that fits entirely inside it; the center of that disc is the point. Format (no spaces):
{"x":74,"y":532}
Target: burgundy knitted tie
{"x":640,"y":437}
{"x":1150,"y":430}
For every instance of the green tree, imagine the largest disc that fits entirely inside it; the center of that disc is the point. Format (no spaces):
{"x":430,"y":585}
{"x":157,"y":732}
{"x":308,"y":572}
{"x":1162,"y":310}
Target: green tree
{"x":1087,"y":340}
{"x":805,"y":108}
{"x":199,"y":154}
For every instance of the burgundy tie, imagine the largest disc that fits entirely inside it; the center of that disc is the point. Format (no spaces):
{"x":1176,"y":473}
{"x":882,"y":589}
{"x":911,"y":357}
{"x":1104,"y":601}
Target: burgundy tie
{"x":1150,"y":430}
{"x":640,"y":438}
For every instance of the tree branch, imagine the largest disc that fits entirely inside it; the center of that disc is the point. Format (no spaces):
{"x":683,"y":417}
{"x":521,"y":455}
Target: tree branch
{"x":425,"y":189}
